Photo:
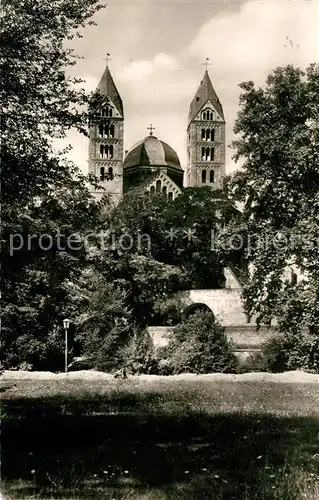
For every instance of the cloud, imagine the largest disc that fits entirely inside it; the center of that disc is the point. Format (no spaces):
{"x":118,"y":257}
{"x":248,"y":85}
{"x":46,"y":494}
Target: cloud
{"x":258,"y":37}
{"x":141,"y":69}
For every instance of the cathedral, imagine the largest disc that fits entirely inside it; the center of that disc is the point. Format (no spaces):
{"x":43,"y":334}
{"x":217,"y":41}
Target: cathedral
{"x":152,"y":164}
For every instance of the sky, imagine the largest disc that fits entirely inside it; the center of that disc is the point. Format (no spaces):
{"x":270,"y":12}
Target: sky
{"x":158,"y":50}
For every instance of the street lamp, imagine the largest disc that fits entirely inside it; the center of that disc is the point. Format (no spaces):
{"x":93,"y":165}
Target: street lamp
{"x":66,"y":324}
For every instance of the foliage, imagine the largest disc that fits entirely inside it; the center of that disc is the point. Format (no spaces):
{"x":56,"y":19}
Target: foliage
{"x":199,"y":345}
{"x":141,"y":355}
{"x":145,"y":280}
{"x":297,"y":351}
{"x":40,"y":101}
{"x":278,"y":186}
{"x":177,"y":232}
{"x":43,"y":195}
{"x":292,"y":351}
{"x":104,"y":325}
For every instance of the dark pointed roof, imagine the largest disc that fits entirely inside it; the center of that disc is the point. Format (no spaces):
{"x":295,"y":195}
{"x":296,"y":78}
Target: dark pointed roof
{"x":108,"y":88}
{"x":205,"y":92}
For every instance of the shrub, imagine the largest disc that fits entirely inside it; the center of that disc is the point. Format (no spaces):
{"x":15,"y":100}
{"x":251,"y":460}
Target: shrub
{"x":293,"y":351}
{"x":253,"y":363}
{"x":199,"y":345}
{"x":140,"y":354}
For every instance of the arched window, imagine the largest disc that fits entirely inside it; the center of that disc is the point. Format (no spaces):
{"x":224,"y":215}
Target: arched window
{"x":203,"y":154}
{"x":212,"y":134}
{"x":112,"y":131}
{"x":106,"y":111}
{"x":110,"y":152}
{"x":110,"y":172}
{"x":206,"y":154}
{"x":158,"y":186}
{"x":165,"y":190}
{"x":208,"y":115}
{"x":212,"y":154}
{"x":203,"y":176}
{"x":152,"y":189}
{"x":203,"y":134}
{"x":102,"y":173}
{"x":102,"y":151}
{"x":101,"y":130}
{"x":212,"y":176}
{"x":170,"y":195}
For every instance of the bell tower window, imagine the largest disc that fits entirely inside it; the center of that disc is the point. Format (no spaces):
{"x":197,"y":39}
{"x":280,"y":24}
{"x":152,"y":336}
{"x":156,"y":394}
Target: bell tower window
{"x":212,"y":176}
{"x":110,"y":172}
{"x":208,"y":134}
{"x":102,"y":173}
{"x":208,"y":115}
{"x":203,"y":176}
{"x":106,"y":111}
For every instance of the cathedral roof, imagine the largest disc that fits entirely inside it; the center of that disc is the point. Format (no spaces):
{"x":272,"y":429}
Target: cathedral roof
{"x":151,"y":151}
{"x":205,"y":92}
{"x":107,"y":87}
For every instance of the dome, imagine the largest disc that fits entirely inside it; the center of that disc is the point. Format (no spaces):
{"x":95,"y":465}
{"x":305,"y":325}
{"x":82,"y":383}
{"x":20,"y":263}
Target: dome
{"x":151,"y":152}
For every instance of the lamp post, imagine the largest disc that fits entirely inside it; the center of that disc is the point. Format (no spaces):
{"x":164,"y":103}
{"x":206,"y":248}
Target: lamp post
{"x":66,"y":324}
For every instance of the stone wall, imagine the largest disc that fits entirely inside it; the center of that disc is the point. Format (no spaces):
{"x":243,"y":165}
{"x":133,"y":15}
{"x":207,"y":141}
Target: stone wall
{"x":246,"y":340}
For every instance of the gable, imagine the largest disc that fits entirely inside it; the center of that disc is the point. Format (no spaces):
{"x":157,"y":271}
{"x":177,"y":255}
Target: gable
{"x":209,"y":106}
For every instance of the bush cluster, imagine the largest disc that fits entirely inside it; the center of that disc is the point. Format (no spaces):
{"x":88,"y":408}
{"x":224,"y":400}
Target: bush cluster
{"x":292,"y":351}
{"x":198,"y":345}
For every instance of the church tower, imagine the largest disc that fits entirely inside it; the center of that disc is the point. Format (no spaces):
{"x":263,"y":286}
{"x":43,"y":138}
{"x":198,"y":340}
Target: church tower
{"x":205,"y":138}
{"x":106,"y":139}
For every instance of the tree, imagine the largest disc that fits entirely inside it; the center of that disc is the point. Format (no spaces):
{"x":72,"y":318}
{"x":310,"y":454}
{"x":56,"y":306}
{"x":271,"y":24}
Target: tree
{"x":40,"y":102}
{"x":42,"y":193}
{"x":278,"y":185}
{"x":102,"y":318}
{"x":179,"y":232}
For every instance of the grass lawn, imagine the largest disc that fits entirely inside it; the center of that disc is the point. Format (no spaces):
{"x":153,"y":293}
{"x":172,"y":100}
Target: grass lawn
{"x":161,"y":439}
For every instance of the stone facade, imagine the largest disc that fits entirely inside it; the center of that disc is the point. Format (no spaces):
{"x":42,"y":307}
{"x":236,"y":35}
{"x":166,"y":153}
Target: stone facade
{"x":206,"y":140}
{"x":106,"y":141}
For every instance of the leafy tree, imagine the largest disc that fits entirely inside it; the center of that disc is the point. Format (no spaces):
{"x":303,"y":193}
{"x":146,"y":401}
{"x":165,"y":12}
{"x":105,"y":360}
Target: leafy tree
{"x":102,"y":318}
{"x":40,"y":102}
{"x":278,"y":142}
{"x":145,"y":281}
{"x":42,"y":193}
{"x":180,"y":231}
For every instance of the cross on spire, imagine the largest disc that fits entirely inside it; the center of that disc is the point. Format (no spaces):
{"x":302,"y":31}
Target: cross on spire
{"x":107,"y":59}
{"x":151,"y":128}
{"x":206,"y":63}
